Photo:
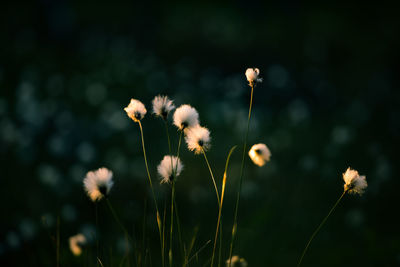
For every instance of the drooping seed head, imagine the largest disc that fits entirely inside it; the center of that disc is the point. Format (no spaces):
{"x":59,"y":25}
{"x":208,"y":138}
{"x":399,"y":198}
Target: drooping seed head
{"x":135,"y":110}
{"x":353,"y":182}
{"x":76,"y":242}
{"x":260,"y":154}
{"x":185,"y":117}
{"x":98,"y":183}
{"x":169,"y":169}
{"x":162,"y":106}
{"x":197,"y":139}
{"x":252,"y":76}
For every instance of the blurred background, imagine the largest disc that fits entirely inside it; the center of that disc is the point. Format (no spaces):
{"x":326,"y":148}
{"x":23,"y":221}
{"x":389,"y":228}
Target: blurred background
{"x":329,"y":100}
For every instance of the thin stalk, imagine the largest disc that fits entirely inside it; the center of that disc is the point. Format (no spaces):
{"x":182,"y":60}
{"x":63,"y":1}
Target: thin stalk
{"x":179,"y":229}
{"x":212,"y":176}
{"x":169,"y":140}
{"x":97,"y":231}
{"x":163,"y":231}
{"x":127,"y":236}
{"x":174,"y":170}
{"x":172,"y":223}
{"x":151,"y":185}
{"x":234,"y":228}
{"x":170,"y":153}
{"x":220,"y":207}
{"x":319,"y":227}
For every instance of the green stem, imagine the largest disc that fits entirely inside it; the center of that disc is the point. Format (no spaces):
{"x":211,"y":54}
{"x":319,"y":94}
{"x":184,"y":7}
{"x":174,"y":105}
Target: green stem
{"x":179,"y":229}
{"x":319,"y":228}
{"x":97,"y":231}
{"x":234,"y":228}
{"x":172,"y":223}
{"x":116,"y":218}
{"x":174,"y":171}
{"x":212,"y":176}
{"x":151,"y":185}
{"x":170,"y":153}
{"x":219,"y":206}
{"x":219,"y":225}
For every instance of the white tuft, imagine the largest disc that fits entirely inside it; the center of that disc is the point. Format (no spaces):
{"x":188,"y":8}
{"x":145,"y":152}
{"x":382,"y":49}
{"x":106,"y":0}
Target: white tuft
{"x":197,"y":139}
{"x":185,"y":117}
{"x":98,"y":183}
{"x":135,"y":110}
{"x":260,"y":154}
{"x":252,"y":75}
{"x":236,"y":262}
{"x":353,"y":182}
{"x":162,"y":106}
{"x":76,"y":242}
{"x":169,"y":169}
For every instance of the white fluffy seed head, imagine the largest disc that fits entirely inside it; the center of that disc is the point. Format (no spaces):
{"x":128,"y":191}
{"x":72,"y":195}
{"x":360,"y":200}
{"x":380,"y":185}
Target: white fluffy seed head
{"x":135,"y":110}
{"x":162,"y":106}
{"x":169,"y":169}
{"x":252,"y":76}
{"x":236,"y":261}
{"x":260,"y":154}
{"x":353,"y":182}
{"x":185,"y":117}
{"x":98,"y":183}
{"x":198,"y":138}
{"x":76,"y":242}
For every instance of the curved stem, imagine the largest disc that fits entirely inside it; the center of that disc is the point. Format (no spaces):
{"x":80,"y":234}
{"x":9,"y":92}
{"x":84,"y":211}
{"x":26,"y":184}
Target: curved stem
{"x":170,"y":153}
{"x":212,"y":176}
{"x":319,"y":228}
{"x":174,"y":170}
{"x":127,"y":236}
{"x":97,"y":231}
{"x":151,"y":185}
{"x":234,"y":228}
{"x":172,"y":222}
{"x":219,"y":225}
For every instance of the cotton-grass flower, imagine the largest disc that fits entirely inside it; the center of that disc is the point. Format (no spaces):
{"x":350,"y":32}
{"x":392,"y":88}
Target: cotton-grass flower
{"x":169,"y":169}
{"x":197,"y":139}
{"x":162,"y":106}
{"x":135,"y":110}
{"x":354,"y":183}
{"x":252,"y":76}
{"x":186,"y":116}
{"x":259,"y":154}
{"x":76,"y":242}
{"x":236,"y":262}
{"x":98,"y":183}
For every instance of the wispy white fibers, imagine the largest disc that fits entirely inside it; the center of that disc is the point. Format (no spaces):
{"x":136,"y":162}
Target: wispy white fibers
{"x":135,"y":110}
{"x":252,"y":75}
{"x":76,"y":242}
{"x":354,"y":183}
{"x":198,"y":138}
{"x":98,"y":183}
{"x":162,"y":106}
{"x":169,"y":169}
{"x":186,"y":116}
{"x":259,"y":154}
{"x":236,"y":262}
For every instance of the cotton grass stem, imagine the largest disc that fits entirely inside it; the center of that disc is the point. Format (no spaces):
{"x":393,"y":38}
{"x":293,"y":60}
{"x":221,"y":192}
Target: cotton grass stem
{"x":151,"y":185}
{"x":319,"y":228}
{"x":173,"y":197}
{"x":220,"y":210}
{"x":170,"y":153}
{"x":212,"y":176}
{"x":116,"y":218}
{"x":234,"y":227}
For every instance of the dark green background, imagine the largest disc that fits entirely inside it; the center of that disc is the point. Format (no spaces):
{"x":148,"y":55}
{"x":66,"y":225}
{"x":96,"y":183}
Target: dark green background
{"x":329,"y":100}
